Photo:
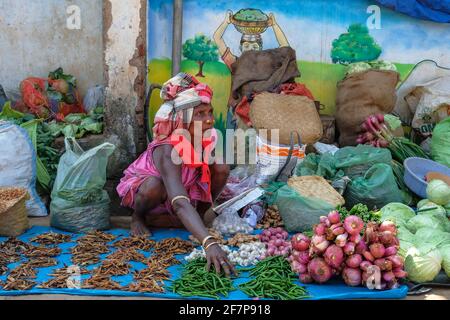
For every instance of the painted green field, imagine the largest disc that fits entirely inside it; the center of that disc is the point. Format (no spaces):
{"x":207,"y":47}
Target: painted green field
{"x":320,"y":78}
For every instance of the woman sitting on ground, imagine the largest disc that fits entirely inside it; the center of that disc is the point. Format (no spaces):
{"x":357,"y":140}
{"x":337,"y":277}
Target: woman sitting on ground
{"x":172,"y":184}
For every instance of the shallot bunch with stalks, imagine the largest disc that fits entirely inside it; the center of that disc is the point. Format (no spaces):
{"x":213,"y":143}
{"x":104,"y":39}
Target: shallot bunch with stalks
{"x":377,"y":133}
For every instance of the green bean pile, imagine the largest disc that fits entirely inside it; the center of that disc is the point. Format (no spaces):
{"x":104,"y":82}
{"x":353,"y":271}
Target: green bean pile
{"x":273,"y":280}
{"x":196,"y":281}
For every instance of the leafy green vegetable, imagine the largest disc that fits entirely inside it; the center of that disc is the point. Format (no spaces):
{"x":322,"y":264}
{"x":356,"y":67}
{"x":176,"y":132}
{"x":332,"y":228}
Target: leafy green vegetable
{"x":423,"y":263}
{"x":397,"y":213}
{"x":432,"y":236}
{"x":445,"y":252}
{"x":9,"y":113}
{"x":59,"y":74}
{"x":424,"y":221}
{"x":393,"y":121}
{"x":438,"y":192}
{"x":361,"y":211}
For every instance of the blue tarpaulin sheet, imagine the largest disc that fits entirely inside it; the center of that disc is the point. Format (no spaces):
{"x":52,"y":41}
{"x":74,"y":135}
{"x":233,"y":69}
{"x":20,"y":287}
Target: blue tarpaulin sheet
{"x":434,"y":10}
{"x":332,"y":290}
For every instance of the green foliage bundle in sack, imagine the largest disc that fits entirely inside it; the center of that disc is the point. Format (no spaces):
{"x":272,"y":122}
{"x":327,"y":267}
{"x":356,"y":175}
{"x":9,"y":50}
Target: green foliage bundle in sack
{"x":440,"y":143}
{"x":299,"y":213}
{"x":79,"y":203}
{"x":375,"y":189}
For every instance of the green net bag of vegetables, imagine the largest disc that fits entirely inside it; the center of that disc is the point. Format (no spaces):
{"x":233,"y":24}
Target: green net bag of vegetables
{"x":355,"y":161}
{"x":299,"y":213}
{"x":79,"y":203}
{"x":440,"y":143}
{"x":375,"y":189}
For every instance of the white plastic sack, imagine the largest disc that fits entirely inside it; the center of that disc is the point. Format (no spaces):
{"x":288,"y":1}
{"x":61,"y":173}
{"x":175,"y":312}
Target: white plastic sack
{"x":94,"y":98}
{"x":18,"y":165}
{"x":271,"y":158}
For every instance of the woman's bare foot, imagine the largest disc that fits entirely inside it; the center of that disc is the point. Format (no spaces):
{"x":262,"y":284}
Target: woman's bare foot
{"x":138,"y":227}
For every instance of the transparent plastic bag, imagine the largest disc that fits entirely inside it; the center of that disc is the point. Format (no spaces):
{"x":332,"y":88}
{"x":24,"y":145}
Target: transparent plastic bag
{"x":94,"y":98}
{"x":79,"y":203}
{"x":229,"y":223}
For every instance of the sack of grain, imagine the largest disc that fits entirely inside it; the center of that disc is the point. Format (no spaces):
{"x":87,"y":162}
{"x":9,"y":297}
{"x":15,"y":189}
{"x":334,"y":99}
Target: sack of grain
{"x":287,"y":113}
{"x":13,"y":211}
{"x":360,"y":95}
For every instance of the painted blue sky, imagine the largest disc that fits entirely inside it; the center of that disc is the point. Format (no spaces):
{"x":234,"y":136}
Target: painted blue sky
{"x":310,"y":26}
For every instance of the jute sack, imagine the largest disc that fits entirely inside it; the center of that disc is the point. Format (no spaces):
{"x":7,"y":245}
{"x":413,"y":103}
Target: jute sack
{"x":360,"y":95}
{"x":286,"y":113}
{"x":13,"y":212}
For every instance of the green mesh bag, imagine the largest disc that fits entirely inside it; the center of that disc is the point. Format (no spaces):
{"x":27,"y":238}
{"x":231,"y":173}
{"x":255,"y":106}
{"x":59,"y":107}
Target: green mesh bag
{"x":375,"y":189}
{"x":355,"y":161}
{"x":299,"y":213}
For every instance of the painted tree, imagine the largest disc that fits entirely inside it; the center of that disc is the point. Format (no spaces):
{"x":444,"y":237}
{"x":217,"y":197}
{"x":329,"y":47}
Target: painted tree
{"x":356,"y":45}
{"x":200,"y":49}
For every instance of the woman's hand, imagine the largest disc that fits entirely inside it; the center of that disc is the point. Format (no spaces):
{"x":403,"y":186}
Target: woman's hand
{"x":228,"y":16}
{"x":215,"y":255}
{"x":272,"y":20}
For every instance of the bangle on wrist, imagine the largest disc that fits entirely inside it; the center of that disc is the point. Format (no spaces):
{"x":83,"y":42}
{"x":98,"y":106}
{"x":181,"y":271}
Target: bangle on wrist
{"x":209,"y":245}
{"x":206,"y":239}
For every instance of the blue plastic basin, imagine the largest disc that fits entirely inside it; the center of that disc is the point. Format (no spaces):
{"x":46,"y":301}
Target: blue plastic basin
{"x":415,"y":171}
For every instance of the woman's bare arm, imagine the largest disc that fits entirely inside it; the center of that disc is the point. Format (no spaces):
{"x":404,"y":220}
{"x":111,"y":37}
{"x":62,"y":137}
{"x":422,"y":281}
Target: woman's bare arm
{"x":171,"y":176}
{"x":218,"y":35}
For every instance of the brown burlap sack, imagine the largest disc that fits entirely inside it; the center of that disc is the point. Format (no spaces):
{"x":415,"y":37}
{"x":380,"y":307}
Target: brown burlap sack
{"x":360,"y":95}
{"x":13,"y":213}
{"x":287,"y":113}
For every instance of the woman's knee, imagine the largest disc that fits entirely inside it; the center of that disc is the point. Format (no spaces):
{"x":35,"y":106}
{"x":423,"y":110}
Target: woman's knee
{"x":151,"y":193}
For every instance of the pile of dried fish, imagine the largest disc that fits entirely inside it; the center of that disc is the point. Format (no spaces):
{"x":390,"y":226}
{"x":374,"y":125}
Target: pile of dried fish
{"x":3,"y":265}
{"x":96,"y":236}
{"x":93,"y":247}
{"x":23,"y":271}
{"x":18,"y":284}
{"x":11,"y":250}
{"x":113,"y":268}
{"x":62,"y":278}
{"x":138,"y":243}
{"x":101,"y":282}
{"x":86,"y":253}
{"x":163,"y":259}
{"x":173,"y":246}
{"x":51,"y":238}
{"x":41,"y":262}
{"x":20,"y":278}
{"x":124,"y":254}
{"x":85,"y":258}
{"x":153,"y":271}
{"x":43,"y":252}
{"x":145,"y":286}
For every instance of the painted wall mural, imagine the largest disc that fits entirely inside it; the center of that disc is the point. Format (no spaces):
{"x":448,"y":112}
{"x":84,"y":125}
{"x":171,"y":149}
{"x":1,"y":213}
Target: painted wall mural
{"x":326,"y":34}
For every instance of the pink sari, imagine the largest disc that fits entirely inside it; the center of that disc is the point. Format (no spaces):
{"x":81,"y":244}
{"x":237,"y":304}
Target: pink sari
{"x":144,"y":167}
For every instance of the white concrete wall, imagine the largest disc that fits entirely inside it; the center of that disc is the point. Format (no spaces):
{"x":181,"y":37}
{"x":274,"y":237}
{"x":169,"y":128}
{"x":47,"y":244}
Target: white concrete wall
{"x":34,"y":39}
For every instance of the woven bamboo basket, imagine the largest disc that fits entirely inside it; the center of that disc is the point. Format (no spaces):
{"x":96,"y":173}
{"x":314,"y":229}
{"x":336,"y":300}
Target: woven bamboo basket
{"x":13,"y":212}
{"x":317,"y":187}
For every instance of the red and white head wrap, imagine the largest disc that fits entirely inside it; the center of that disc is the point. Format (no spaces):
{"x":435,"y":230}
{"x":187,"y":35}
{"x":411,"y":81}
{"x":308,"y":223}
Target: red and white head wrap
{"x":181,"y":94}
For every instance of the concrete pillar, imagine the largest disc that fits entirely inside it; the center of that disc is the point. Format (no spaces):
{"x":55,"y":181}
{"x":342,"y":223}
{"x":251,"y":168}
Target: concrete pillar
{"x":125,"y":64}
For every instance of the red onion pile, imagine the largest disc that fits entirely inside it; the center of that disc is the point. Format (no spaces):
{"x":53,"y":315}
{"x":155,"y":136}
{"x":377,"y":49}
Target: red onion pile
{"x":337,"y":248}
{"x":276,"y":240}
